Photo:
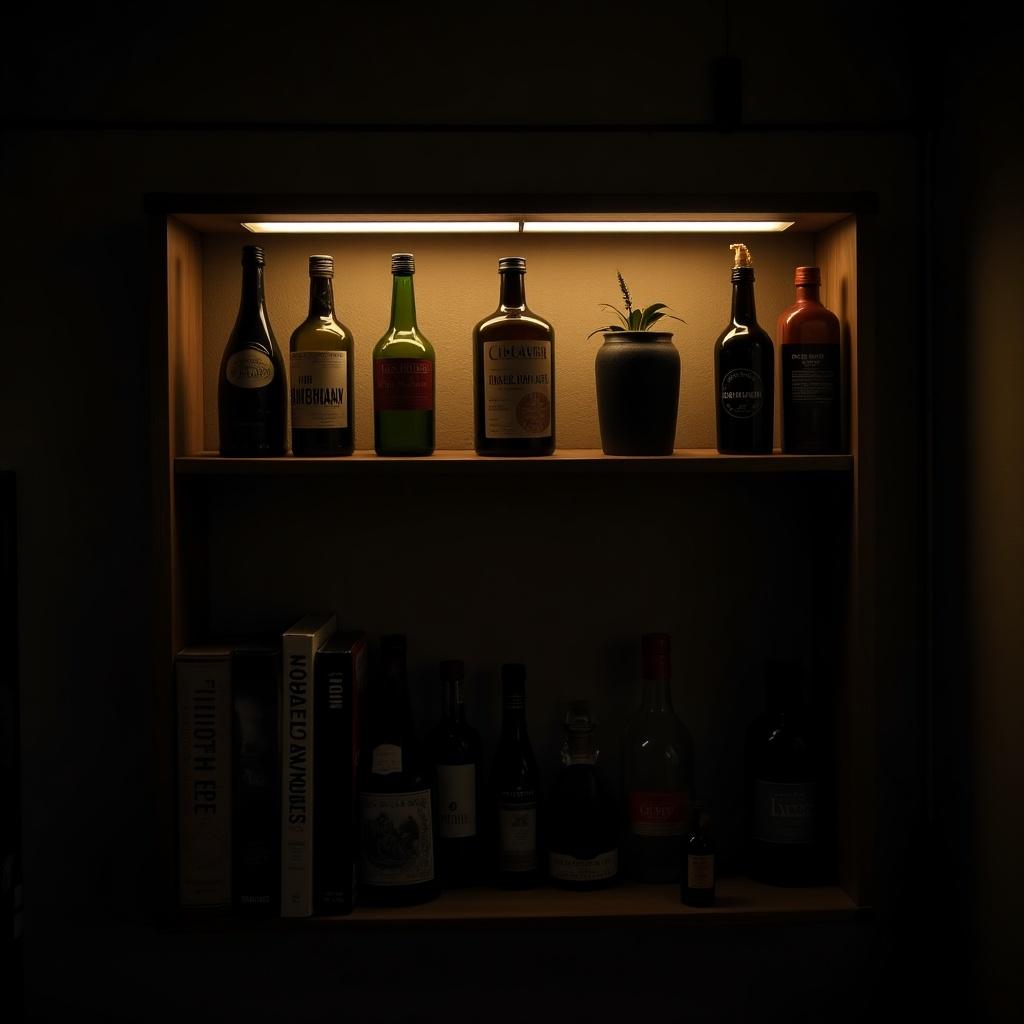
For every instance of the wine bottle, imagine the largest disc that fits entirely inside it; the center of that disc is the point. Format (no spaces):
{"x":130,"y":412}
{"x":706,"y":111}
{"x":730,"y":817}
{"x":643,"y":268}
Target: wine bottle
{"x":698,"y":885}
{"x":744,"y":370}
{"x":252,"y":390}
{"x":659,"y":772}
{"x":514,"y":373}
{"x":515,"y":790}
{"x":454,"y":749}
{"x":583,"y":838}
{"x":321,"y":372}
{"x":811,"y":377}
{"x":403,"y":374}
{"x":781,"y":785}
{"x":397,"y":819}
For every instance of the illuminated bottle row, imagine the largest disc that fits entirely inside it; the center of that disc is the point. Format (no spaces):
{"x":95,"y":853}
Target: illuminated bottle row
{"x":513,"y":352}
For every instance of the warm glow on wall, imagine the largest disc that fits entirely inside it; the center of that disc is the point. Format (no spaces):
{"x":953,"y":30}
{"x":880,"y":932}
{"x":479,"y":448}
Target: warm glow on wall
{"x":392,"y":227}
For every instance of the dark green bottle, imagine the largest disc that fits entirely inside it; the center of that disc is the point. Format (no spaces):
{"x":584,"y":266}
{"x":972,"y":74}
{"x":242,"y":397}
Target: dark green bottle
{"x":403,"y":374}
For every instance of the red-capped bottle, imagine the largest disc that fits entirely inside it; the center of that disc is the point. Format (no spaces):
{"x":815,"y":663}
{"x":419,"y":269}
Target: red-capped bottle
{"x":809,"y":351}
{"x":659,"y":773}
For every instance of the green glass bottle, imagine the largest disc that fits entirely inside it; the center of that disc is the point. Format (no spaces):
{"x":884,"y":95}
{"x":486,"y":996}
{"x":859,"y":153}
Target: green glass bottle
{"x":321,"y":372}
{"x":403,"y":374}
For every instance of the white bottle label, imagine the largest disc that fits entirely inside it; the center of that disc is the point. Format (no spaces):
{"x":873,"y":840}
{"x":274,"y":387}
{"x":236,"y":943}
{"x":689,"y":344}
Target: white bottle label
{"x":517,"y":388}
{"x":319,"y":389}
{"x":387,"y":758}
{"x":700,"y":870}
{"x":784,"y":812}
{"x":576,"y":869}
{"x":249,"y":368}
{"x":518,"y":830}
{"x":395,"y":838}
{"x":457,"y":800}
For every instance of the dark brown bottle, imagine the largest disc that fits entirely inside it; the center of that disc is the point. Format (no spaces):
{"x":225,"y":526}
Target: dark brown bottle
{"x":782,"y":785}
{"x":809,"y":353}
{"x":252,"y":389}
{"x":697,"y":888}
{"x":514,"y":373}
{"x":744,"y":371}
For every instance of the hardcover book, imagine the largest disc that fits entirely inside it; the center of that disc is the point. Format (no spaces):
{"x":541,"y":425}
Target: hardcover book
{"x":299,"y":645}
{"x":340,"y":678}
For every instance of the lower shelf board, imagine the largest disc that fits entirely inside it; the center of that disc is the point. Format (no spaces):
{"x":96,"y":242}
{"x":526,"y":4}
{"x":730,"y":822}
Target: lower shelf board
{"x":738,"y":900}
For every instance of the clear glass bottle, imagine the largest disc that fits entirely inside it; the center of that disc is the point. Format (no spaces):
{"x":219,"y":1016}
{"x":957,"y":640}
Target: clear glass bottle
{"x":403,"y":374}
{"x":514,"y":373}
{"x":583,"y":834}
{"x":252,"y":389}
{"x":454,"y":749}
{"x":397,"y":813}
{"x":320,"y":372}
{"x":659,"y":772}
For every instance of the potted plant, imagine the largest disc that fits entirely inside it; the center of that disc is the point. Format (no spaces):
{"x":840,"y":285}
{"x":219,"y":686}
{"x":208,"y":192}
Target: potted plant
{"x":637,"y":372}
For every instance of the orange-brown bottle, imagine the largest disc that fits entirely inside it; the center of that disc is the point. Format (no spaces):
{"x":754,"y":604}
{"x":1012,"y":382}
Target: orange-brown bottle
{"x":809,"y":353}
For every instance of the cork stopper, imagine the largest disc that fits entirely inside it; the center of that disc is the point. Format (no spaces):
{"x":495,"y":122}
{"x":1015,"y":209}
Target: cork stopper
{"x":741,"y":256}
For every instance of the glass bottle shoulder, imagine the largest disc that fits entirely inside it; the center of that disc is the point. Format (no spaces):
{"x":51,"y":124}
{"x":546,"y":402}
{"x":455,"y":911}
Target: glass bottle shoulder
{"x":514,"y":324}
{"x":318,"y":334}
{"x":403,"y":344}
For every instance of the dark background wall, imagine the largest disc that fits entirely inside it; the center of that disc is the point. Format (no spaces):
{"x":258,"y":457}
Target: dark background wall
{"x":100,"y":109}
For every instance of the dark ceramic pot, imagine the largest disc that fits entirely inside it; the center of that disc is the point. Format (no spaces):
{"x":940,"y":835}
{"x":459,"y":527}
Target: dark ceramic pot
{"x":637,"y":392}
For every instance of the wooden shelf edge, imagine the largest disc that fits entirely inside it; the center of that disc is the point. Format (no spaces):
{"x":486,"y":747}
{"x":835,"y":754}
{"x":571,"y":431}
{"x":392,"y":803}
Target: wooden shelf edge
{"x":740,"y":901}
{"x":683,"y":460}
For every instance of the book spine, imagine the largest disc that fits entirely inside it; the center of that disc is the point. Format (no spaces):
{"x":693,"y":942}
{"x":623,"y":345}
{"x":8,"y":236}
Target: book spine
{"x":204,"y":790}
{"x":255,"y":771}
{"x":298,"y":652}
{"x":335,"y":723}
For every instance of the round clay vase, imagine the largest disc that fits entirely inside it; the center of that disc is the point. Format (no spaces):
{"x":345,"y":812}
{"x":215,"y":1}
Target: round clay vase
{"x":637,"y":392}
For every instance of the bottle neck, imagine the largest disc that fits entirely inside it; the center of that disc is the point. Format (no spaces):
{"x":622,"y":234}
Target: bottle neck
{"x":513,"y":721}
{"x":581,"y":746}
{"x":252,"y":288}
{"x":321,"y":297}
{"x":808,"y":293}
{"x":395,"y":713}
{"x":403,"y":303}
{"x":454,"y":708}
{"x":743,"y":311}
{"x":657,"y":695}
{"x":513,"y":290}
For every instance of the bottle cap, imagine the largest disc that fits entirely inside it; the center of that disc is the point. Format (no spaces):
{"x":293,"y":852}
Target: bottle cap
{"x":252,"y":254}
{"x":807,"y":275}
{"x":657,"y":656}
{"x":403,"y":263}
{"x":321,"y":266}
{"x":452,"y":671}
{"x":511,"y":263}
{"x":741,"y":255}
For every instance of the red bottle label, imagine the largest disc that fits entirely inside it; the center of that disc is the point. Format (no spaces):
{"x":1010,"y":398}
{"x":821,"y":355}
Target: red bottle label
{"x":658,"y":814}
{"x":403,"y":385}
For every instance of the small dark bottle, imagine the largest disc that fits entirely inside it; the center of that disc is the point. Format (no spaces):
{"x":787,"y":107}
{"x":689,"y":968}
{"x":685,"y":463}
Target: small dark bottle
{"x":514,"y":373}
{"x":454,"y":749}
{"x":744,"y":371}
{"x":782,"y":785}
{"x":698,"y":882}
{"x":252,"y":389}
{"x":515,"y":790}
{"x":396,"y":805}
{"x":809,"y":351}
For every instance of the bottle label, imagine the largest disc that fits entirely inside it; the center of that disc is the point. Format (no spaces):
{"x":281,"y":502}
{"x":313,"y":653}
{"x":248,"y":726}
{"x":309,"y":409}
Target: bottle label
{"x":319,"y":386}
{"x":396,"y":839}
{"x":810,"y":373}
{"x":700,"y":871}
{"x":784,"y":812}
{"x":742,"y":393}
{"x":658,"y":813}
{"x":403,"y":385}
{"x":517,"y":389}
{"x":518,"y":837}
{"x":387,"y":758}
{"x":577,"y":869}
{"x":249,"y":368}
{"x":456,"y":784}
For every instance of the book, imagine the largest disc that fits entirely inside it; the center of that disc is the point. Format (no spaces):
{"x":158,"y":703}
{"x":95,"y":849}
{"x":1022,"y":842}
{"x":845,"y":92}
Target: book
{"x":256,"y":775}
{"x":203,"y":682}
{"x":299,"y":645}
{"x":338,"y":687}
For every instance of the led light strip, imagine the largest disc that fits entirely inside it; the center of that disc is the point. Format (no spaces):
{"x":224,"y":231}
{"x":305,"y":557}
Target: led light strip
{"x":481,"y":227}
